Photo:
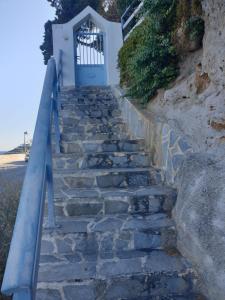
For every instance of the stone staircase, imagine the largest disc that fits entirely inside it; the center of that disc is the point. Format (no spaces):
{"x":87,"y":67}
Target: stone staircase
{"x":116,"y":238}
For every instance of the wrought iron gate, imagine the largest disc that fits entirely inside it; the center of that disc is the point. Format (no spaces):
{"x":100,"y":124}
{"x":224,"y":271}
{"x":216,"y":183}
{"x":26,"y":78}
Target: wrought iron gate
{"x":89,"y":55}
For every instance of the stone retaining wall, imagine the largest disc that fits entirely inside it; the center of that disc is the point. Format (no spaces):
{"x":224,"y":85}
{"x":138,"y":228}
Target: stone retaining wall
{"x":200,"y":207}
{"x":167,"y":149}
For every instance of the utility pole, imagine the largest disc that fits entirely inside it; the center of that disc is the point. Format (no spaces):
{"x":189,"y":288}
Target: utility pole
{"x":25,"y":146}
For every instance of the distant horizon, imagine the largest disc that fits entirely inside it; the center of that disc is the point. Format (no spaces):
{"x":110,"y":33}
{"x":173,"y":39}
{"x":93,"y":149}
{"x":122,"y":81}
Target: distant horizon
{"x":6,"y":150}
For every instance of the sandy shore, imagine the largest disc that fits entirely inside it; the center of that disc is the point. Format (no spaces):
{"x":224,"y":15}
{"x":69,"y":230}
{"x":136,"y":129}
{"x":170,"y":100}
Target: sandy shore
{"x":12,"y":168}
{"x":11,"y":161}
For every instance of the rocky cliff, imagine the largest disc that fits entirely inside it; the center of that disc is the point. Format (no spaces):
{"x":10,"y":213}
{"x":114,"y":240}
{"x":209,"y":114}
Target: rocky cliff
{"x":194,"y":108}
{"x":184,"y":128}
{"x":194,"y":105}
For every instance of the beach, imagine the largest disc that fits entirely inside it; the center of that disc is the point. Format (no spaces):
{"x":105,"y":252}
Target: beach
{"x":12,"y":168}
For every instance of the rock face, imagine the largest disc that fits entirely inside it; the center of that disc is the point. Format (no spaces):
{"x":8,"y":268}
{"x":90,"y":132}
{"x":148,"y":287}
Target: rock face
{"x":194,"y":106}
{"x":188,"y":118}
{"x":199,"y":214}
{"x":116,"y":238}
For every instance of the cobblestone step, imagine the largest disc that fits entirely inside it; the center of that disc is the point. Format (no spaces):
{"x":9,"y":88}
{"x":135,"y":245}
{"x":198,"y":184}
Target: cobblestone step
{"x":87,"y":93}
{"x":112,"y":223}
{"x":70,"y":134}
{"x":70,"y":119}
{"x":106,"y":178}
{"x":76,"y":205}
{"x":105,"y":128}
{"x":92,"y":137}
{"x":159,"y":190}
{"x":86,"y":89}
{"x":96,"y":146}
{"x":137,"y":287}
{"x":91,"y":111}
{"x":138,"y":262}
{"x":115,"y":238}
{"x":102,"y":160}
{"x":143,"y":274}
{"x":89,"y":104}
{"x":108,"y":237}
{"x":87,"y":202}
{"x":136,"y":205}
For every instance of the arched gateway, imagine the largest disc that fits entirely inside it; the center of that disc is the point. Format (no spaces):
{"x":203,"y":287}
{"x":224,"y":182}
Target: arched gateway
{"x":89,"y":42}
{"x":90,"y":46}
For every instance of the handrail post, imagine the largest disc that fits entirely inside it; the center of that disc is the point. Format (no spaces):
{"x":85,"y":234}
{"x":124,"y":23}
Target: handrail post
{"x":25,"y":294}
{"x":50,"y":190}
{"x":56,"y":120}
{"x":59,"y":72}
{"x":50,"y":187}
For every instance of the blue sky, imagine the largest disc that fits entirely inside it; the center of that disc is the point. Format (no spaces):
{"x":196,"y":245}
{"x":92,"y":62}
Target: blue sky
{"x":21,"y":67}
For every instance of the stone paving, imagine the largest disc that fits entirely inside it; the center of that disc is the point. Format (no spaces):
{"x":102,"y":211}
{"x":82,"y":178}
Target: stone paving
{"x":116,"y":238}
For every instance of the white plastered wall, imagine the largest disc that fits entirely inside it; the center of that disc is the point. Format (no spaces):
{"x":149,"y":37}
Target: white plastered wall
{"x":63,"y":39}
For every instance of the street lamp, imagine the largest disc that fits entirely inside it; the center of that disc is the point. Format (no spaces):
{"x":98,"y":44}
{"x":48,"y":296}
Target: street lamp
{"x":25,"y":146}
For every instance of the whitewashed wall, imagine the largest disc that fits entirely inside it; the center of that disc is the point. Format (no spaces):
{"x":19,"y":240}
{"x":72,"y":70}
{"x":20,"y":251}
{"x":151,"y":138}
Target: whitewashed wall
{"x":63,"y":39}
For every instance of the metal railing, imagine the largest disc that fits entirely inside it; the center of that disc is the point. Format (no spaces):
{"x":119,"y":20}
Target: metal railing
{"x":20,"y":278}
{"x":129,"y":19}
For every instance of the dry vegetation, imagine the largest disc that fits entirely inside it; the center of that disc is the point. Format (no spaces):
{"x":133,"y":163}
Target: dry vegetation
{"x":10,"y":187}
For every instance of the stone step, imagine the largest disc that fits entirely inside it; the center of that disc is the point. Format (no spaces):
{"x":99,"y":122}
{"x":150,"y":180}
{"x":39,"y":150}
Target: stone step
{"x":139,"y":262}
{"x":134,"y":274}
{"x":70,"y":119}
{"x":75,"y":268}
{"x":85,"y":99}
{"x":71,"y":111}
{"x":105,"y":102}
{"x":115,"y":238}
{"x":104,"y":160}
{"x":110,"y":224}
{"x":113,"y":205}
{"x":87,"y":89}
{"x":91,"y":111}
{"x":108,"y":236}
{"x":88,"y":202}
{"x":108,"y":193}
{"x":88,"y":124}
{"x":129,"y":287}
{"x":69,"y":133}
{"x":87,"y":93}
{"x":106,"y":178}
{"x":80,"y":105}
{"x":65,"y":138}
{"x":96,"y":146}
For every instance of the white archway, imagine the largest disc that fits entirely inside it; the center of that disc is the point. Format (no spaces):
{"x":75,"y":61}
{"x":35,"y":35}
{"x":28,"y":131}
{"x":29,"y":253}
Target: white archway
{"x":63,"y":39}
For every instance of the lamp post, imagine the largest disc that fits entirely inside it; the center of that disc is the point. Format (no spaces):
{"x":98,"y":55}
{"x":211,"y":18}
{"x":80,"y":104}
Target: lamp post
{"x":25,"y":146}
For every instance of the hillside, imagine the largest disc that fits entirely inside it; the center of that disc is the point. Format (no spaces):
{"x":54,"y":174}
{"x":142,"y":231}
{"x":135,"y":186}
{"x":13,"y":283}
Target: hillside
{"x":19,"y":149}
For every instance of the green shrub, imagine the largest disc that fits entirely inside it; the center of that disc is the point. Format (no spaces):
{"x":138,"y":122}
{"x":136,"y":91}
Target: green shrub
{"x":195,"y":28}
{"x":148,"y":59}
{"x":128,"y":51}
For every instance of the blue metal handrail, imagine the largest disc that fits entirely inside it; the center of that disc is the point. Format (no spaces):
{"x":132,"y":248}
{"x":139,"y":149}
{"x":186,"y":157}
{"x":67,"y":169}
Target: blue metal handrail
{"x":20,"y":278}
{"x":128,"y":17}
